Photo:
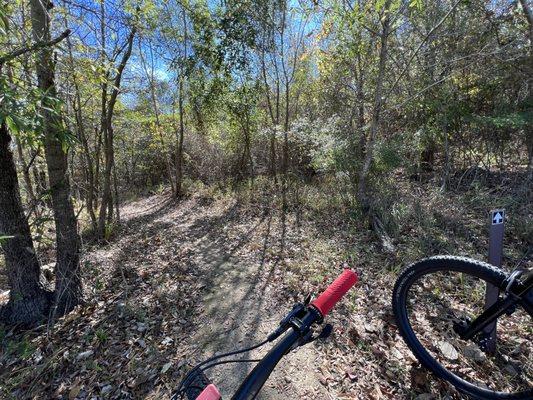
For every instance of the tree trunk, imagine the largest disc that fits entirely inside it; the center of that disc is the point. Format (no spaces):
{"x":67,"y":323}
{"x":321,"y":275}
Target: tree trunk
{"x":115,"y":189}
{"x":68,"y":289}
{"x":374,"y":125}
{"x":150,"y":74}
{"x":106,"y":205}
{"x":26,"y":175}
{"x":179,"y":152}
{"x":24,"y":166}
{"x":528,"y":13}
{"x":446,"y":172}
{"x":86,"y":156}
{"x":29,"y":302}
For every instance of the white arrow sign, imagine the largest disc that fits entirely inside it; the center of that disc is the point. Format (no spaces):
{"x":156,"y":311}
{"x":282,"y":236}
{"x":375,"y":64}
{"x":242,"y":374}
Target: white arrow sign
{"x":497,"y":217}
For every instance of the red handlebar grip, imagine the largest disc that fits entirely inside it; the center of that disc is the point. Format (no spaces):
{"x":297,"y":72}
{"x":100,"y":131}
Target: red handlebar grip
{"x":327,"y":300}
{"x":210,"y":393}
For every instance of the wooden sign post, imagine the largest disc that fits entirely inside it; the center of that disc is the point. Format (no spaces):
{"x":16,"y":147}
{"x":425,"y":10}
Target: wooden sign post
{"x":497,"y":225}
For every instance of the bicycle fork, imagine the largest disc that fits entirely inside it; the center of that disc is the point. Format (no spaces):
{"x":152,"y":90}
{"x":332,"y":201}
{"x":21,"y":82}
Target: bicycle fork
{"x":516,"y":291}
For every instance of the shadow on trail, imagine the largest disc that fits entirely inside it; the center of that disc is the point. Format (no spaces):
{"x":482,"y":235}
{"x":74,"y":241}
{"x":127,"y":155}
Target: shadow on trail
{"x":199,"y":267}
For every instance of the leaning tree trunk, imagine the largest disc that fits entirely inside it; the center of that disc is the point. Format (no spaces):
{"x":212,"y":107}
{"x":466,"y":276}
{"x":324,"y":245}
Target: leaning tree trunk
{"x":376,"y":115}
{"x":68,"y":289}
{"x":28,"y":302}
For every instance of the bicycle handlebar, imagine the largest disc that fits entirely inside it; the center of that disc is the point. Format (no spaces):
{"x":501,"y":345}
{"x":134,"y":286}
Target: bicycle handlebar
{"x":297,"y":333}
{"x":319,"y":309}
{"x":327,"y":300}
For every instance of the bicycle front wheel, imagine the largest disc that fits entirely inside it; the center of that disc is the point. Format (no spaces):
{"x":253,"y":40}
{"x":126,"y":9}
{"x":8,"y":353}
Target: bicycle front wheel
{"x":432,"y":297}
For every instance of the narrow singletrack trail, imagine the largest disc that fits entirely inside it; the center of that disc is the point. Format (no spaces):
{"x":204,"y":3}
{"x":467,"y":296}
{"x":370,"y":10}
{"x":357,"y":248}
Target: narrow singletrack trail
{"x":236,"y":259}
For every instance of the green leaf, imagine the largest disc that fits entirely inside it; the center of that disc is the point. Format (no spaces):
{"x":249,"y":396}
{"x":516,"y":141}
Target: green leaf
{"x":416,"y":4}
{"x":4,"y":21}
{"x":11,"y":124}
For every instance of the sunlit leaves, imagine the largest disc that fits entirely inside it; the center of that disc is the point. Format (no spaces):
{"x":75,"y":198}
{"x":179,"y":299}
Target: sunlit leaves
{"x":23,"y":113}
{"x":416,"y":4}
{"x":4,"y":21}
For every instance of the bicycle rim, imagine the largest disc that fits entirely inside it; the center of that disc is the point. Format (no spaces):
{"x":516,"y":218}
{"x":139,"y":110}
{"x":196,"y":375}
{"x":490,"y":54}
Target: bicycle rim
{"x":437,"y":299}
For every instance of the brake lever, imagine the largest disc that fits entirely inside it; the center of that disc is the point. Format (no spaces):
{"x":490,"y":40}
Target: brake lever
{"x":297,"y":310}
{"x":309,"y":337}
{"x":326,"y":332}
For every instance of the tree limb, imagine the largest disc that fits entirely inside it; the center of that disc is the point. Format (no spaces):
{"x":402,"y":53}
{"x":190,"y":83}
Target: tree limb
{"x":36,"y":46}
{"x":454,"y":6}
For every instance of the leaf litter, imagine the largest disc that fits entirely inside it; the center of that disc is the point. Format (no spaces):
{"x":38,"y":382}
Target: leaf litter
{"x":184,"y":281}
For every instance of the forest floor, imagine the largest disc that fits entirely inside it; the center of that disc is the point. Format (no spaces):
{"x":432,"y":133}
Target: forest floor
{"x":181,"y":281}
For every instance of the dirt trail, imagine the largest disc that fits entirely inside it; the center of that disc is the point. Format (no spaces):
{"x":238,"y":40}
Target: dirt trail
{"x":236,"y":257}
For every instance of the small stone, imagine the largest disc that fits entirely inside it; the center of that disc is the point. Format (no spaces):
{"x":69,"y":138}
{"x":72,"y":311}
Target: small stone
{"x":396,"y":353}
{"x":141,"y":327}
{"x":166,"y":341}
{"x":84,"y":355}
{"x":371,"y":328}
{"x":166,"y":367}
{"x":510,"y":370}
{"x":474,"y":353}
{"x":106,"y":389}
{"x":448,"y":351}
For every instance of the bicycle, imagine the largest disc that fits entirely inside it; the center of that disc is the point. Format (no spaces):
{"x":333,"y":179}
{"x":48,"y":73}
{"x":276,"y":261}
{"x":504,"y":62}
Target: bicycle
{"x":295,"y":330}
{"x":439,"y":306}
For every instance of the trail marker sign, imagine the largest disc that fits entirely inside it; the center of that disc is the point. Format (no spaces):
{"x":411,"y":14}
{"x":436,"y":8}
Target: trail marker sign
{"x":497,"y":224}
{"x":497,"y":217}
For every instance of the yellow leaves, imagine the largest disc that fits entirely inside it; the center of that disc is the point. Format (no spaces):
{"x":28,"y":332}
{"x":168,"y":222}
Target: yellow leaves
{"x":325,"y":30}
{"x":74,"y":390}
{"x":324,"y":62}
{"x":305,"y":56}
{"x":468,"y":83}
{"x":4,"y":21}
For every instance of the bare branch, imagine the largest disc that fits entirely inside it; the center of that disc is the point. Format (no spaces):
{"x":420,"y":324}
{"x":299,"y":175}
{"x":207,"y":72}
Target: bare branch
{"x":421,"y":44}
{"x":36,"y":46}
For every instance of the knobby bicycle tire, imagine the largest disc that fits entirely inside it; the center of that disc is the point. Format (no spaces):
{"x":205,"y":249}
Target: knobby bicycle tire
{"x":404,"y":282}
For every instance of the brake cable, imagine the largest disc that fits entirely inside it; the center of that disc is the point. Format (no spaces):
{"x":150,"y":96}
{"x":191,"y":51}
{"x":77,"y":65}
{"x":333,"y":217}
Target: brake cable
{"x":184,"y":385}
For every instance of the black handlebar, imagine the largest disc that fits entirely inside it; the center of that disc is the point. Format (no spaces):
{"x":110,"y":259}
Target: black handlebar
{"x":299,"y":329}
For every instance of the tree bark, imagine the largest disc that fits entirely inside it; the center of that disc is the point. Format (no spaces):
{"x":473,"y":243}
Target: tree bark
{"x":528,"y":13}
{"x":106,"y":205}
{"x":29,"y":302}
{"x":179,"y":152}
{"x":181,"y":134}
{"x":150,"y":74}
{"x":374,"y":125}
{"x":68,"y":288}
{"x":26,"y":175}
{"x":86,"y":154}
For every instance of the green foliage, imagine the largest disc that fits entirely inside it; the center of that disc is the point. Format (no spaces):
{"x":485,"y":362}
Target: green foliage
{"x":21,"y":109}
{"x":513,"y":121}
{"x":20,"y":347}
{"x":101,"y":335}
{"x":390,"y":154}
{"x":416,"y":4}
{"x":109,"y":231}
{"x":18,"y":110}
